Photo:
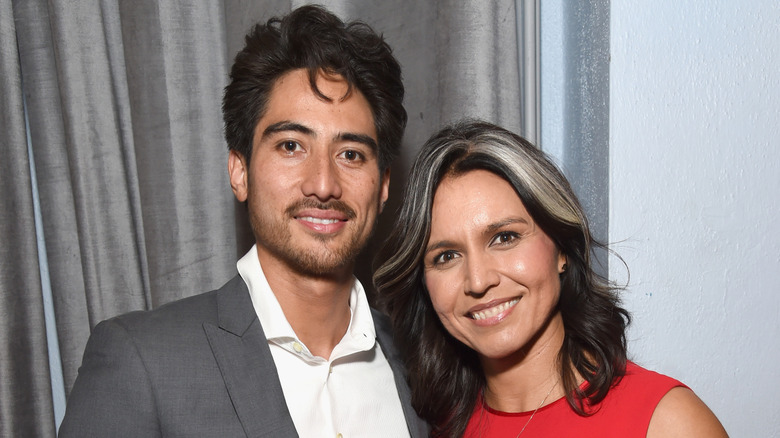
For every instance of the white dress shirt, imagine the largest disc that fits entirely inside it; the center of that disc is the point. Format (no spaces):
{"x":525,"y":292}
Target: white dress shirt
{"x":352,"y":393}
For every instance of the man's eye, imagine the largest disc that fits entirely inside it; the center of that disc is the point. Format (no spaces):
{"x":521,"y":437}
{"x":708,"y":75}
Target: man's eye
{"x":351,"y":155}
{"x":290,"y":146}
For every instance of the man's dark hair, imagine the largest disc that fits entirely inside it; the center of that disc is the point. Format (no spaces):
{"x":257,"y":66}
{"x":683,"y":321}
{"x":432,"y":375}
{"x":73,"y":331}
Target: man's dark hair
{"x":314,"y":39}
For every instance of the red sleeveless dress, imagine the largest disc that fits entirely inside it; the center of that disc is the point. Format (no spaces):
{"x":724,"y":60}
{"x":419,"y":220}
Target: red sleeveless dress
{"x":624,"y":413}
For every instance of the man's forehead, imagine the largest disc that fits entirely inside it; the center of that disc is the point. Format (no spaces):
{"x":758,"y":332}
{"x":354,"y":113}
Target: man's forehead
{"x":293,"y":101}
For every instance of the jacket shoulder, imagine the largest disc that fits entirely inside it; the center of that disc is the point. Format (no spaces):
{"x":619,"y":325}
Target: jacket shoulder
{"x":196,"y":309}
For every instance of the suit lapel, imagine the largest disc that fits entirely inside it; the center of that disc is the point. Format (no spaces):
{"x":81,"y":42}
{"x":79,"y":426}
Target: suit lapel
{"x":244,"y":358}
{"x":417,"y":427}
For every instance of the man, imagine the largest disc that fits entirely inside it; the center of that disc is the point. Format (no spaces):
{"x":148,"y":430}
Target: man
{"x":313,"y":117}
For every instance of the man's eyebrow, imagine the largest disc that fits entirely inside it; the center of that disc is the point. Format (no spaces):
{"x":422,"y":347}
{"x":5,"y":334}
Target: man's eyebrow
{"x":286,"y":125}
{"x":359,"y":138}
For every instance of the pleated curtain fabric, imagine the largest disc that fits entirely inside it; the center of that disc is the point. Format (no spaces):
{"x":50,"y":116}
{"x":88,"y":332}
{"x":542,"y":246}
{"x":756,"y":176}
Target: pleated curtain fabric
{"x":25,"y":390}
{"x":123,"y":100}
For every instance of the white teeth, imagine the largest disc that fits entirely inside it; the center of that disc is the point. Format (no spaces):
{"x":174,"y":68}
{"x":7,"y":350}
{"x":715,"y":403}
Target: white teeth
{"x":318,"y":220}
{"x":493,"y":311}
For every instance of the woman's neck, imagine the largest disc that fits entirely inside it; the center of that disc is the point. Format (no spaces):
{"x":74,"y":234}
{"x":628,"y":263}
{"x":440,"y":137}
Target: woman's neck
{"x":530,"y":378}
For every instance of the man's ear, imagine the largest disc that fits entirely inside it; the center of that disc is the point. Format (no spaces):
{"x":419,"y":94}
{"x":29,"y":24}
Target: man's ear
{"x":239,"y":175}
{"x":385,"y":189}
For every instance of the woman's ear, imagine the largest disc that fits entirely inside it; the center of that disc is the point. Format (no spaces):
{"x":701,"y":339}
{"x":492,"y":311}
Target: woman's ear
{"x":562,"y":263}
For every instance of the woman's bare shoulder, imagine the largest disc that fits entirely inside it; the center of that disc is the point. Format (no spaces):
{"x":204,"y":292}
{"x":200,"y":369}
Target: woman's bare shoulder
{"x":680,"y":413}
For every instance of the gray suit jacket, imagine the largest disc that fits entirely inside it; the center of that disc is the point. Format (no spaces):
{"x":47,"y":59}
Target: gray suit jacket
{"x":198,"y":367}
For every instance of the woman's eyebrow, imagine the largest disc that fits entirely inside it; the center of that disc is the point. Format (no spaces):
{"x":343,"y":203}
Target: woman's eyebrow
{"x":439,"y":244}
{"x":502,"y":223}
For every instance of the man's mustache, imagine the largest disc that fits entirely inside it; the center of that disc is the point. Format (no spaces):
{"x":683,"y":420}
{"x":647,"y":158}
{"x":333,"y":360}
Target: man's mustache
{"x":334,"y":205}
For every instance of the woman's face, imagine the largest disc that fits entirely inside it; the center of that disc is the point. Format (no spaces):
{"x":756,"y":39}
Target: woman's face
{"x":491,"y":272}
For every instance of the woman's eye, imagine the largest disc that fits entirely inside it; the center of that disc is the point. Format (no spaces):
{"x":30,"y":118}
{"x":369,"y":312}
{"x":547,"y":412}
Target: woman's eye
{"x":504,"y":237}
{"x":445,"y":257}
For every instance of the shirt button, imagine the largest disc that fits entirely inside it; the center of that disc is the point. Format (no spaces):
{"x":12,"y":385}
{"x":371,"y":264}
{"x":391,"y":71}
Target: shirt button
{"x":339,"y":436}
{"x":330,"y":369}
{"x":297,"y":347}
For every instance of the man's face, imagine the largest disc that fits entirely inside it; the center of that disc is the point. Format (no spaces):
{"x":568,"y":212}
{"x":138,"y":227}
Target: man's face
{"x":313,"y":186}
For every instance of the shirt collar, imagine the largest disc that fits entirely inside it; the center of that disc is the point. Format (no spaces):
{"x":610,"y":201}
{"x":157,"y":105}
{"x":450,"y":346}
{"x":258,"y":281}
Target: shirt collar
{"x":360,"y":336}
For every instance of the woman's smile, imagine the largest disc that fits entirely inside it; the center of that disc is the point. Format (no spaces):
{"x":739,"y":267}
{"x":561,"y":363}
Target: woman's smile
{"x":492,"y":312}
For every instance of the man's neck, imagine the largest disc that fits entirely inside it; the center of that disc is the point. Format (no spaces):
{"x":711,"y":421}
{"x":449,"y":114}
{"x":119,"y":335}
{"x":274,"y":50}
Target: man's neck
{"x":317,"y":308}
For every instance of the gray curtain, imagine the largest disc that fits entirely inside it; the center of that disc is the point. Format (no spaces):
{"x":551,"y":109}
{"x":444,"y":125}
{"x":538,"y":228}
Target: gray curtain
{"x":25,"y":393}
{"x":125,"y":131}
{"x":123,"y":100}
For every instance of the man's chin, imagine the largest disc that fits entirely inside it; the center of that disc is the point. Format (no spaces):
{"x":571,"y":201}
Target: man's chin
{"x":313,"y":254}
{"x":320,"y":260}
{"x":311,"y":266}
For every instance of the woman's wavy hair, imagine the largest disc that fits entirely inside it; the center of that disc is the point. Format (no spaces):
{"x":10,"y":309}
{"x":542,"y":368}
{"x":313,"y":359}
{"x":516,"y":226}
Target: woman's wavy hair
{"x":312,"y":38}
{"x":445,"y":376}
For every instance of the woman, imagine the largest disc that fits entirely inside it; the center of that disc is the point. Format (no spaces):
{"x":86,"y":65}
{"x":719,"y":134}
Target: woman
{"x":506,"y":328}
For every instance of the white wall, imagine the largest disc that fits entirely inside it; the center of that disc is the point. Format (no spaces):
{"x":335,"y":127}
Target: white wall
{"x":694,"y":180}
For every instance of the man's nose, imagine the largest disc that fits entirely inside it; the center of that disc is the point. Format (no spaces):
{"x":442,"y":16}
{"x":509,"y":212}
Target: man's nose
{"x":322,"y":179}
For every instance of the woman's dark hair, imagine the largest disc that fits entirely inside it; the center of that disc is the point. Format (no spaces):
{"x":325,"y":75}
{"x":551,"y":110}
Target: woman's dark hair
{"x":446,"y":376}
{"x":314,"y":39}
